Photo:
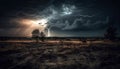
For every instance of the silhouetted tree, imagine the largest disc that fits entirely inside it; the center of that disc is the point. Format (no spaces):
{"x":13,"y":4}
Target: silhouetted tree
{"x":35,"y":35}
{"x":42,"y":34}
{"x":111,"y":33}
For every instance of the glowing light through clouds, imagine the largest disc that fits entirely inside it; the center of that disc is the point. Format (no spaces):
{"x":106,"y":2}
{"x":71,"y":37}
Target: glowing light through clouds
{"x":67,"y":10}
{"x":43,"y":21}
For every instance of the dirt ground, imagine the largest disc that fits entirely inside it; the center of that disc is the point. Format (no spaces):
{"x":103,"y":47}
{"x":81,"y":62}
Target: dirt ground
{"x":59,"y":55}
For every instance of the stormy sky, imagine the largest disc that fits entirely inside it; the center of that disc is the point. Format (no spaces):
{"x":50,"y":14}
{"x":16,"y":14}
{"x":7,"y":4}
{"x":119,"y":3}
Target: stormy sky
{"x":66,"y":18}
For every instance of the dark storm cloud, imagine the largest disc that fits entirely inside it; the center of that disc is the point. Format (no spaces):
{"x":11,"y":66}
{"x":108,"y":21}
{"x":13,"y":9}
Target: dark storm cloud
{"x":88,"y":15}
{"x":82,"y":24}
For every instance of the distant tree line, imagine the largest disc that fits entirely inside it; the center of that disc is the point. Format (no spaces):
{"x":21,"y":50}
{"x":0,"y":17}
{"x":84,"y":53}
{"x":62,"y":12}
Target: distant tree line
{"x":110,"y":34}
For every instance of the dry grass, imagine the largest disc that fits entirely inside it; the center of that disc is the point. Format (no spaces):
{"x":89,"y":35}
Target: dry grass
{"x":59,"y":55}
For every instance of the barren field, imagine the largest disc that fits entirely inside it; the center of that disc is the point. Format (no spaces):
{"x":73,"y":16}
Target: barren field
{"x":55,"y":54}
